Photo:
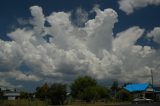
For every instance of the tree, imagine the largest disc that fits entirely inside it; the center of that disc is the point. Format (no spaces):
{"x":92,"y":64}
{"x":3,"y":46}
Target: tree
{"x":41,"y":92}
{"x":127,"y":83}
{"x":90,"y":93}
{"x":94,"y":93}
{"x":45,"y":87}
{"x":57,"y":93}
{"x":124,"y":95}
{"x":24,"y":95}
{"x":114,"y":86}
{"x":86,"y":88}
{"x":1,"y":94}
{"x":103,"y":92}
{"x":81,"y":84}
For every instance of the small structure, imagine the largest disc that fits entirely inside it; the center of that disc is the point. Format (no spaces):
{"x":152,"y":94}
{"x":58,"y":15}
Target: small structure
{"x":11,"y":94}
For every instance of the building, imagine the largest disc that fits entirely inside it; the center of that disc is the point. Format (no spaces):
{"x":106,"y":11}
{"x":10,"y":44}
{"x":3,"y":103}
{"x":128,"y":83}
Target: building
{"x":10,"y":94}
{"x":143,"y":90}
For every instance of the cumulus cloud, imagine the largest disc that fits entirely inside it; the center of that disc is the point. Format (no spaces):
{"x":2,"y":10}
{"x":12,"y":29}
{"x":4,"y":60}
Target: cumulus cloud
{"x":129,"y":38}
{"x":73,"y":51}
{"x":128,"y":6}
{"x":155,"y":34}
{"x":80,"y":18}
{"x":5,"y":83}
{"x":18,"y":75}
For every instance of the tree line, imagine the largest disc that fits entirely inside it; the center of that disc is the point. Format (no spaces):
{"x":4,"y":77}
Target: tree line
{"x":84,"y":88}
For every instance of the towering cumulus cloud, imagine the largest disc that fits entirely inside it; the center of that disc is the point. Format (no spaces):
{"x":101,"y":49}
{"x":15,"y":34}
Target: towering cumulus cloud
{"x":61,"y":51}
{"x":129,"y":6}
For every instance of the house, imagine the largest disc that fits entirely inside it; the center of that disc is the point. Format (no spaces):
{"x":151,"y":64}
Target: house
{"x":143,"y":90}
{"x":10,"y":94}
{"x":157,"y":92}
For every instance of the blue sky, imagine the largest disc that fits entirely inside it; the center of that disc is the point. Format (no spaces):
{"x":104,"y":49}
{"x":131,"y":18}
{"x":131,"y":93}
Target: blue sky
{"x":12,"y":10}
{"x":127,"y":29}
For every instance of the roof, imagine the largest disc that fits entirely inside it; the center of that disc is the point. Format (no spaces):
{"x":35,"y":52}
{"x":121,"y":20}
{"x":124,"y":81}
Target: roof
{"x":12,"y":94}
{"x":136,"y":87}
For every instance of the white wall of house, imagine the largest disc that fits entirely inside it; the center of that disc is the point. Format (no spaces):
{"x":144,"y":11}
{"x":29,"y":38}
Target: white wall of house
{"x":11,"y":98}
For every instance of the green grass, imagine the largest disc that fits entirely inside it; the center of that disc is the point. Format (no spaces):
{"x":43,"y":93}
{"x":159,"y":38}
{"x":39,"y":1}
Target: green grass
{"x":97,"y":104}
{"x":23,"y":102}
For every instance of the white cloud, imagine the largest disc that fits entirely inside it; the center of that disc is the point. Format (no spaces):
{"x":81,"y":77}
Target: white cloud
{"x":127,"y":38}
{"x":17,"y":35}
{"x":10,"y":55}
{"x":73,"y":51}
{"x":81,"y":17}
{"x":100,"y":31}
{"x":4,"y":83}
{"x":19,"y":76}
{"x":155,"y":34}
{"x":22,"y":21}
{"x":38,"y":20}
{"x":128,"y":6}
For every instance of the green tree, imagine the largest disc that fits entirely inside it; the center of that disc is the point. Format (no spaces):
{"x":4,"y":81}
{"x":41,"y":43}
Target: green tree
{"x":103,"y":92}
{"x":81,"y":84}
{"x":90,"y":93}
{"x":114,"y":86}
{"x":24,"y":95}
{"x":94,"y":93}
{"x":41,"y":92}
{"x":124,"y":95}
{"x":1,"y":94}
{"x":57,"y":93}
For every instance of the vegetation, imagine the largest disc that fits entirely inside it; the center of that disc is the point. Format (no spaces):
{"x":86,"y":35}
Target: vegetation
{"x":1,"y":94}
{"x":22,"y":102}
{"x":124,"y":95}
{"x":95,"y":93}
{"x":42,"y":92}
{"x":56,"y":93}
{"x":26,"y":95}
{"x":115,"y":87}
{"x":84,"y":89}
{"x":80,"y":85}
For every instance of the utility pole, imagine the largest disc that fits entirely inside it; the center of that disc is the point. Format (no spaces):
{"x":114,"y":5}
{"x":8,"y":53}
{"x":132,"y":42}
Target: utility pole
{"x":153,"y":95}
{"x":152,"y":77}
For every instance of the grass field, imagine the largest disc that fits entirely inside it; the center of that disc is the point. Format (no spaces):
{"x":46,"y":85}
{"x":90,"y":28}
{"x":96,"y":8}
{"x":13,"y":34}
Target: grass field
{"x":98,"y":104}
{"x":22,"y":103}
{"x":41,"y":103}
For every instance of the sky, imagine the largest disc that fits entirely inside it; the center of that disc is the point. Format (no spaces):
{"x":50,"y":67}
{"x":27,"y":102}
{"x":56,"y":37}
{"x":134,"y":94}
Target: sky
{"x":58,"y":40}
